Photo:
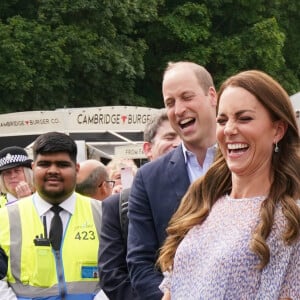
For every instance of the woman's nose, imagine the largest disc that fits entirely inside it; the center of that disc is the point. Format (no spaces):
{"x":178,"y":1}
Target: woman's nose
{"x":230,"y":128}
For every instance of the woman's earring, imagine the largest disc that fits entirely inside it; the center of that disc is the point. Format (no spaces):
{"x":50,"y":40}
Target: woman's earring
{"x":276,"y":149}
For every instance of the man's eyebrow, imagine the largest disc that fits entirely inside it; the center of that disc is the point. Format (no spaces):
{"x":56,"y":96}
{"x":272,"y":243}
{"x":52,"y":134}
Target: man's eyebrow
{"x":188,"y":92}
{"x":170,"y":133}
{"x":168,"y":98}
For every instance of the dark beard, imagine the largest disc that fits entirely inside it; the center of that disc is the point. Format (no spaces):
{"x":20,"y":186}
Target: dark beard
{"x":55,"y":197}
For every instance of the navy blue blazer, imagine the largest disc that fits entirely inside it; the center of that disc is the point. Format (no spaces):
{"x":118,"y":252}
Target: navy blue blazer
{"x":113,"y":272}
{"x":156,"y":192}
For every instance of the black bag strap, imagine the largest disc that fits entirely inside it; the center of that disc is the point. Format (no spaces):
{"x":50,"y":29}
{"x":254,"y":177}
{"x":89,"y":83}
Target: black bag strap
{"x":123,"y":210}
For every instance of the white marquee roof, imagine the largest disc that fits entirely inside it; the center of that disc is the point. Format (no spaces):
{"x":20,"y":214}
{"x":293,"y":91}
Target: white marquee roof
{"x":103,"y":129}
{"x":296,"y":100}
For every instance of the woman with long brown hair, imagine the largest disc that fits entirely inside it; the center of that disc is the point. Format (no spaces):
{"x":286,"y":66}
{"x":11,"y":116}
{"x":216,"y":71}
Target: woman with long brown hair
{"x":236,"y":232}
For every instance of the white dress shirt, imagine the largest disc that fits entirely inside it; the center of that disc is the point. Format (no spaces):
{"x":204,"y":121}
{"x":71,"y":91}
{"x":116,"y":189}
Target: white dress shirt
{"x":11,"y":198}
{"x":43,"y":209}
{"x":194,"y":169}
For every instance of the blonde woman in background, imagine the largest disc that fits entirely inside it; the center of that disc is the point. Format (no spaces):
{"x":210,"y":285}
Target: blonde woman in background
{"x":114,"y":168}
{"x":15,"y":175}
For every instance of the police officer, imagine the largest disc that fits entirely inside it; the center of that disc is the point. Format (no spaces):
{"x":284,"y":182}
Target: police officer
{"x":51,"y":238}
{"x":15,"y":175}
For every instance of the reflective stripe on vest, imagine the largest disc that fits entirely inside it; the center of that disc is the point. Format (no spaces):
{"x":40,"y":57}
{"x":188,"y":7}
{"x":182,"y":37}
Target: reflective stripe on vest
{"x":81,"y":237}
{"x":74,"y":288}
{"x":16,"y":232}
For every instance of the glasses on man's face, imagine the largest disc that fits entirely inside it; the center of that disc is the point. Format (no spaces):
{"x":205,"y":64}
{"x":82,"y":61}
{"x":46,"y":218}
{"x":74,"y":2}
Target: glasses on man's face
{"x":110,"y":183}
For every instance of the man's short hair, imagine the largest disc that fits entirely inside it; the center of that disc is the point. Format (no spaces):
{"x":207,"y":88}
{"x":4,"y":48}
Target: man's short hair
{"x":204,"y":77}
{"x":153,"y":125}
{"x":53,"y":142}
{"x":89,"y":185}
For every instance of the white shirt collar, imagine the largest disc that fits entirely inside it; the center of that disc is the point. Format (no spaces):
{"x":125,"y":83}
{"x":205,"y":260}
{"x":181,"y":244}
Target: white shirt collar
{"x":43,"y":206}
{"x":10,"y":198}
{"x":210,"y":151}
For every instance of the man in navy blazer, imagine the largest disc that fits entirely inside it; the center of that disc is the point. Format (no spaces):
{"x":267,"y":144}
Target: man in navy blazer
{"x":190,"y":99}
{"x":159,"y":138}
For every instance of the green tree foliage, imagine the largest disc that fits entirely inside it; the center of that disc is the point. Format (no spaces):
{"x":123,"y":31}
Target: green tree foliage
{"x":226,"y":36}
{"x":289,"y":22}
{"x":111,"y":52}
{"x":71,"y":52}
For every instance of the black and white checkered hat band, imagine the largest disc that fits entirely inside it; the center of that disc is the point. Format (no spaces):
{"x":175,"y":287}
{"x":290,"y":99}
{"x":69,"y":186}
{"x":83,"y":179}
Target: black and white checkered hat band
{"x":10,"y":159}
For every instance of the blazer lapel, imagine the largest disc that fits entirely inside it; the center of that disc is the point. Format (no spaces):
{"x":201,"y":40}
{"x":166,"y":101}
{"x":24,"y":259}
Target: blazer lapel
{"x":177,"y":173}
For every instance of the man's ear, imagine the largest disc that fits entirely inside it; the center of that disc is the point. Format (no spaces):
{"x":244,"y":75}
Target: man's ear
{"x":147,"y":148}
{"x":212,"y":93}
{"x":103,"y":187}
{"x":77,"y":167}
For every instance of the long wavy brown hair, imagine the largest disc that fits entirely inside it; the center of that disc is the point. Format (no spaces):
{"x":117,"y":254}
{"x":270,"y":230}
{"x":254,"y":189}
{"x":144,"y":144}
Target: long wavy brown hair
{"x":285,"y":188}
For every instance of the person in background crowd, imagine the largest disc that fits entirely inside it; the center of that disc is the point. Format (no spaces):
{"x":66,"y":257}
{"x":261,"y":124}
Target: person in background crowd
{"x":15,"y":175}
{"x":51,"y":238}
{"x":114,"y":170}
{"x":236,"y":233}
{"x":190,"y":100}
{"x":93,"y":180}
{"x":159,"y":138}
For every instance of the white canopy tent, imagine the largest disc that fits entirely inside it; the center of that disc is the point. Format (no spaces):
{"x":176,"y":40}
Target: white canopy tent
{"x":100,"y":132}
{"x":296,"y":100}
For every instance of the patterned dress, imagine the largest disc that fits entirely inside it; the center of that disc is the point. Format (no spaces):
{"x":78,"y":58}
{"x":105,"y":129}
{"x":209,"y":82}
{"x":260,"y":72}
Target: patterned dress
{"x":214,"y":260}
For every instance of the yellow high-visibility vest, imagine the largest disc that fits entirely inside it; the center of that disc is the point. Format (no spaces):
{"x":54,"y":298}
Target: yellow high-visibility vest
{"x":39,"y":271}
{"x":3,"y":201}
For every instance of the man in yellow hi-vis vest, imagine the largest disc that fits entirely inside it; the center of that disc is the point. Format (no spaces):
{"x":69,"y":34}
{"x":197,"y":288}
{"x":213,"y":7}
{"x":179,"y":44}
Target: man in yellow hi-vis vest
{"x":51,"y":238}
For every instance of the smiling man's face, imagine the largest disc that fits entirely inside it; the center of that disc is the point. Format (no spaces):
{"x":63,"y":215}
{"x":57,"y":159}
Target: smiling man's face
{"x":55,"y":176}
{"x":190,"y":110}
